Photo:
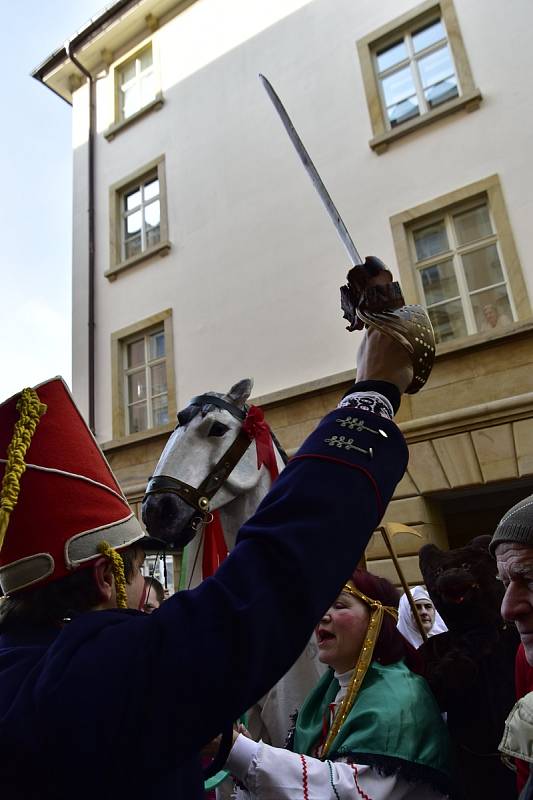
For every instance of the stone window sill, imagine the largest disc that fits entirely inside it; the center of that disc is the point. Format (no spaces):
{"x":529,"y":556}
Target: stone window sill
{"x":467,"y":102}
{"x":161,"y":249}
{"x":118,"y":127}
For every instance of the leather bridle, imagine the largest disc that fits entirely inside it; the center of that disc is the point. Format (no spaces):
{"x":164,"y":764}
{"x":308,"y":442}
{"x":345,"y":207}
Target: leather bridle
{"x":199,"y":497}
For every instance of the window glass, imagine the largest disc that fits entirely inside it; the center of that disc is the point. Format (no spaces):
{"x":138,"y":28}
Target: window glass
{"x":133,"y":223}
{"x":160,"y":410}
{"x":448,"y":321}
{"x":403,"y":111}
{"x":439,"y":282}
{"x":159,"y":379}
{"x":132,"y":246}
{"x":472,"y":224}
{"x":151,"y":189}
{"x":145,"y":58}
{"x":398,"y":86}
{"x":435,"y":67}
{"x":127,"y":72}
{"x":441,"y":92}
{"x":431,"y":240}
{"x":157,"y":345}
{"x":130,"y":100}
{"x":482,"y":267}
{"x":428,"y":35}
{"x":137,"y":386}
{"x":391,"y":55}
{"x":135,"y":353}
{"x":152,"y":214}
{"x":138,"y":419}
{"x":133,"y":198}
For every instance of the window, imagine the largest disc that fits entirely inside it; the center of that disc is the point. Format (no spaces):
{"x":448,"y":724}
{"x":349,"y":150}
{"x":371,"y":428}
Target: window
{"x":138,"y":218}
{"x":135,"y":83}
{"x":141,"y":217}
{"x":461,"y":274}
{"x":457,"y":256}
{"x":415,"y":71}
{"x":143,"y":376}
{"x":145,"y":381}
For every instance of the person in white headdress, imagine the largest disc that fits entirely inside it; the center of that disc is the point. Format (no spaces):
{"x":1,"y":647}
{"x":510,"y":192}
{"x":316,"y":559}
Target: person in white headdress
{"x":432,"y":621}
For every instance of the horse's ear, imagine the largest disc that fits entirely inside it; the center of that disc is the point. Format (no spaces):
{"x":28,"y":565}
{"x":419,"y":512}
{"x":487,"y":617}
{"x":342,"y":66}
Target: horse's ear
{"x":240,"y":392}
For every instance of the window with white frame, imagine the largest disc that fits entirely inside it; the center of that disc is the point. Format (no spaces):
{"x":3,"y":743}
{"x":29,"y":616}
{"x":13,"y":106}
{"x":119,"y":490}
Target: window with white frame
{"x":461,"y":272}
{"x":415,"y":72}
{"x":136,"y":83}
{"x":145,"y":381}
{"x":141,"y":217}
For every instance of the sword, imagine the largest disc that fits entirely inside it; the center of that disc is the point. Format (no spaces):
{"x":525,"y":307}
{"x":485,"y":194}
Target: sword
{"x":311,"y":170}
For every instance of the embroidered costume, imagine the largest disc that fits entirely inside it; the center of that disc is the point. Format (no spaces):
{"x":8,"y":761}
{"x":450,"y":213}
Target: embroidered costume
{"x":374,"y":732}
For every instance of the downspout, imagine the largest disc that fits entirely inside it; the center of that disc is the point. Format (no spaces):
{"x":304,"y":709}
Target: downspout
{"x":91,"y":266}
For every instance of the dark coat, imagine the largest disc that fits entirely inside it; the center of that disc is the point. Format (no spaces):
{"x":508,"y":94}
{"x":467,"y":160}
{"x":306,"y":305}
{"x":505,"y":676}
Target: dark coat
{"x":117,"y":704}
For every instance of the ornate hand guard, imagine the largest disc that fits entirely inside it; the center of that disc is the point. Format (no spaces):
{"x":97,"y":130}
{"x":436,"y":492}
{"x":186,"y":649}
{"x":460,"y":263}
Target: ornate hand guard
{"x":372,"y":298}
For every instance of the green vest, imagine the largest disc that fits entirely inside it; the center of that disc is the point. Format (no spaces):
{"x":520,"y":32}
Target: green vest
{"x":394,"y":724}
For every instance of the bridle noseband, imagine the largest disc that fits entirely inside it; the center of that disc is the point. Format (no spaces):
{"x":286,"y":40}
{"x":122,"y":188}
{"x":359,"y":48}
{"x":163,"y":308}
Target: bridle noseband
{"x":199,"y":498}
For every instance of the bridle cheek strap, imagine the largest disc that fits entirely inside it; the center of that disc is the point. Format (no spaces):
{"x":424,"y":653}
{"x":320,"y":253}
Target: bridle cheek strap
{"x":200,"y":497}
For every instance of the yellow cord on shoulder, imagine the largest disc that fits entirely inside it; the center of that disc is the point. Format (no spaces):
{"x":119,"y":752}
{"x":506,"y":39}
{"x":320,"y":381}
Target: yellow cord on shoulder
{"x":30,"y":411}
{"x":117,"y":567}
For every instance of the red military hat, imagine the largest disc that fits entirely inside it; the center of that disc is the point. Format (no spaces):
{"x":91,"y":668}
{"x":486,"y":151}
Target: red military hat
{"x":59,"y":499}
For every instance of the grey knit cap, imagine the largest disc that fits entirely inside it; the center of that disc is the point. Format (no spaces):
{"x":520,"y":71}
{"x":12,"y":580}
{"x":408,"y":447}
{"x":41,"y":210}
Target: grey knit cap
{"x":516,"y":525}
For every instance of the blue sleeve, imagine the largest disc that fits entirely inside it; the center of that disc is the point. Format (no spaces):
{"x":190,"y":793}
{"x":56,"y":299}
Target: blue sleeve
{"x":178,"y":676}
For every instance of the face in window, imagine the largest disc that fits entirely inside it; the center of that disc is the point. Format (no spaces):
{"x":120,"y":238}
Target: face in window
{"x":515,"y":569}
{"x":341,"y":632}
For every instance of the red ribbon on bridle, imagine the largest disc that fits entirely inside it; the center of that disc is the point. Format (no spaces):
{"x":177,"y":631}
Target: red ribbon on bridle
{"x":215,"y":547}
{"x":256,"y":428}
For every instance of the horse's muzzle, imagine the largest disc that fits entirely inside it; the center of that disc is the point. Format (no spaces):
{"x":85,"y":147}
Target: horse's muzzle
{"x":169,"y":518}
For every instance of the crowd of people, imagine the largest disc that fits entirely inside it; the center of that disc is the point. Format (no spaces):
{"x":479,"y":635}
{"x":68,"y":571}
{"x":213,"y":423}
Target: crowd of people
{"x":90,"y":646}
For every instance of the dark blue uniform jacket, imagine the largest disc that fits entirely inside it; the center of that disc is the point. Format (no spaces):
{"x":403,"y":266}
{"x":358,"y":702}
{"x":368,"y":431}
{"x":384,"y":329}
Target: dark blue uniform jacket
{"x":117,"y":704}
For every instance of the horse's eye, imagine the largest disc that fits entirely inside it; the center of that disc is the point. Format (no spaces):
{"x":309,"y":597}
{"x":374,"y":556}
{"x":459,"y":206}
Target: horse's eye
{"x":218,"y":429}
{"x":185,"y":415}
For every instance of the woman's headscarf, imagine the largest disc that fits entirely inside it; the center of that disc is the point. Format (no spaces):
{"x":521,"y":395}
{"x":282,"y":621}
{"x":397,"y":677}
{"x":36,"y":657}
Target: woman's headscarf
{"x":406,"y":622}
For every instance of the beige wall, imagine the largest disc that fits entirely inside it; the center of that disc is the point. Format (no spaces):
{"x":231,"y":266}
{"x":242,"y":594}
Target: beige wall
{"x":254,"y":265}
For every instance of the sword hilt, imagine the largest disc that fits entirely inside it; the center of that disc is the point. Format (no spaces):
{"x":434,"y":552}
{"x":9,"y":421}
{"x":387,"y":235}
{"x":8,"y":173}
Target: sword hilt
{"x":370,"y":287}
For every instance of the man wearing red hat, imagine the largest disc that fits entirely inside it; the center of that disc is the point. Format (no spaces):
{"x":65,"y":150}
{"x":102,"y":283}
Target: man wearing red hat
{"x":87,"y":684}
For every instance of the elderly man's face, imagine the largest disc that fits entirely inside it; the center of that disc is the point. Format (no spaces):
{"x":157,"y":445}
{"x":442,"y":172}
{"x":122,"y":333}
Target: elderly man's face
{"x":515,"y":568}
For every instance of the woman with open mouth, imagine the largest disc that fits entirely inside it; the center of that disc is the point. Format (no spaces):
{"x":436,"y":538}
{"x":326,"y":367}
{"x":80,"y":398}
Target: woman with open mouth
{"x":369,"y":729}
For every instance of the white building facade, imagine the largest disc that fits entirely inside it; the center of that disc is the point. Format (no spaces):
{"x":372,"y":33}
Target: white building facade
{"x":213,"y":258}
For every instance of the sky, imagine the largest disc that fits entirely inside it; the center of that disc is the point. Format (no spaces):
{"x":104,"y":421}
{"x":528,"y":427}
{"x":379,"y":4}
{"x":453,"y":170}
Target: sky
{"x":36,"y":202}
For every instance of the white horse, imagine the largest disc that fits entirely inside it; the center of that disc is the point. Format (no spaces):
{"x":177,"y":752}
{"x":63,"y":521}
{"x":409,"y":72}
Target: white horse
{"x":195,"y":477}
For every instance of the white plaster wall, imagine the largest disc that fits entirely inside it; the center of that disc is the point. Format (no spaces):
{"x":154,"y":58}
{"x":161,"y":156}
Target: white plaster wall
{"x":255,"y":265}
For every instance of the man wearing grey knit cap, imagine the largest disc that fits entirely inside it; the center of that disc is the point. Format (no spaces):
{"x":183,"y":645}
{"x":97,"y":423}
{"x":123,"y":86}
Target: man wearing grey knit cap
{"x":512,"y":544}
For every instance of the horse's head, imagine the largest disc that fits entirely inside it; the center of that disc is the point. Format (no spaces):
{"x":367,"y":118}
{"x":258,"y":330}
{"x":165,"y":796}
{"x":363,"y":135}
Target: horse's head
{"x":206,"y":463}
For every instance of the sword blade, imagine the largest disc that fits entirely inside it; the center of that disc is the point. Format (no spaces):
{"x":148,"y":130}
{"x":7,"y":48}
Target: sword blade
{"x":310,"y":168}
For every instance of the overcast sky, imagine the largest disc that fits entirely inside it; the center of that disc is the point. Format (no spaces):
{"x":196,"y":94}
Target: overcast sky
{"x":36,"y":203}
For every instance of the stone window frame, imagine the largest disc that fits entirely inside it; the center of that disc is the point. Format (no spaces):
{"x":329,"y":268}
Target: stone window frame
{"x":119,"y":123}
{"x":119,"y":339}
{"x":117,"y":263}
{"x":469,"y":95}
{"x":403,"y":222}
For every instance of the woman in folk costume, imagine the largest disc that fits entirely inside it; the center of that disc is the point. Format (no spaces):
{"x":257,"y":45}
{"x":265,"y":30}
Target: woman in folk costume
{"x":430,"y":618}
{"x":369,"y":729}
